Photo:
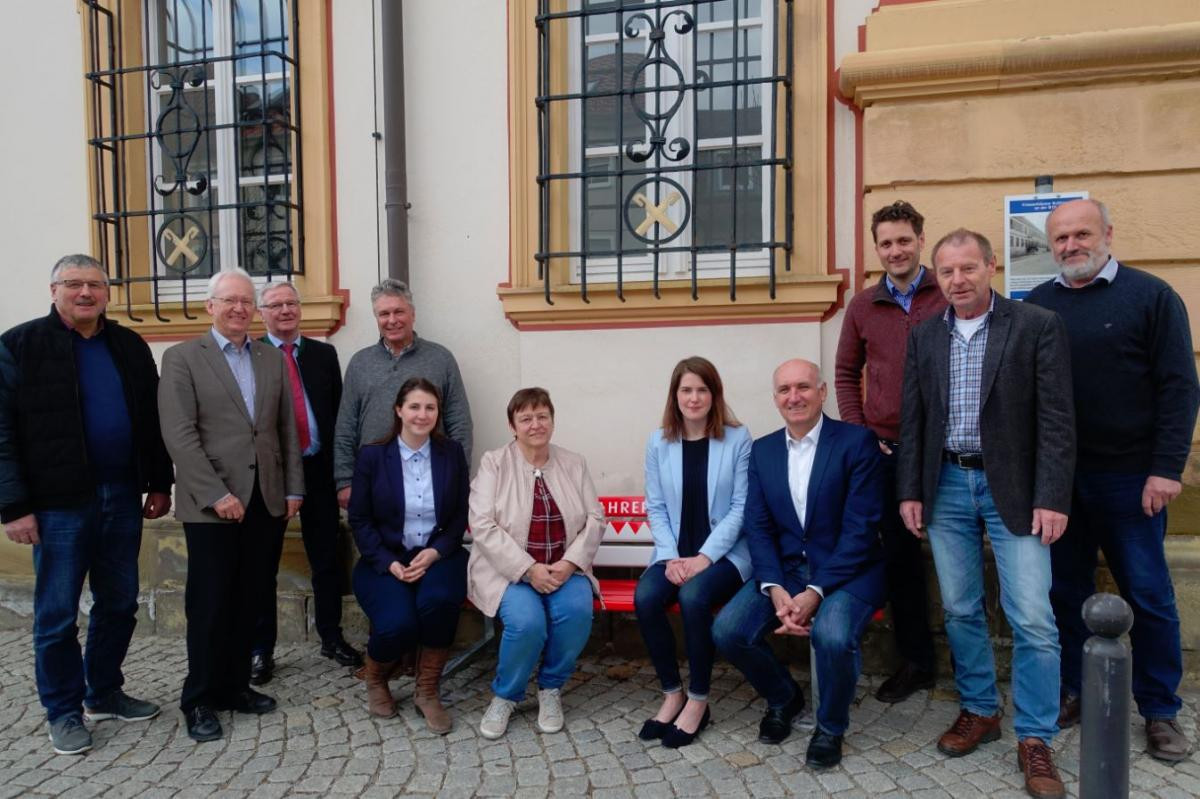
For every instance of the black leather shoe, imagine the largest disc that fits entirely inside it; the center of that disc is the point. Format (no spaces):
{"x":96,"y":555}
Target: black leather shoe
{"x":202,"y":724}
{"x":1068,"y":710}
{"x":262,"y":666}
{"x":824,"y":750}
{"x":776,"y":726}
{"x":249,"y":701}
{"x":653,"y":730}
{"x":904,"y":683}
{"x":342,"y":652}
{"x":675,"y":737}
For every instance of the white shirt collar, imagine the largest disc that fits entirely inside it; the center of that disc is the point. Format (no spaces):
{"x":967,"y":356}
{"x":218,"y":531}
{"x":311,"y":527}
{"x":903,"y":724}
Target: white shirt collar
{"x":812,"y":435}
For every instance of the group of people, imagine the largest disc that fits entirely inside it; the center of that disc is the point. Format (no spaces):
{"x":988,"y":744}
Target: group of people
{"x":963,"y":413}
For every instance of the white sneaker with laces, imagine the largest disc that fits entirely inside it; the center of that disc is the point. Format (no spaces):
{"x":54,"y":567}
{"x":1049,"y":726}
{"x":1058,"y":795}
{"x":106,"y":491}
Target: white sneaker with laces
{"x":550,"y":712}
{"x":495,"y":720}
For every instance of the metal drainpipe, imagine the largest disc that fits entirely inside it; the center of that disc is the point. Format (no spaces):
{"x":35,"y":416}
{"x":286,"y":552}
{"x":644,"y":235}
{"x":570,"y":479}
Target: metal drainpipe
{"x":395,"y":203}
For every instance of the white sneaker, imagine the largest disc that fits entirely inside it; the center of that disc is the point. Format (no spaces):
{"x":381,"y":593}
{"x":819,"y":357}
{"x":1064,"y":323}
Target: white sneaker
{"x":495,"y":720}
{"x":550,"y":712}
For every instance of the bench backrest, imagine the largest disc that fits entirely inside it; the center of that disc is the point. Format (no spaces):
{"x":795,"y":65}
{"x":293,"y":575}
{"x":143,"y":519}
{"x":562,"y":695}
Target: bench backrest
{"x":627,"y":541}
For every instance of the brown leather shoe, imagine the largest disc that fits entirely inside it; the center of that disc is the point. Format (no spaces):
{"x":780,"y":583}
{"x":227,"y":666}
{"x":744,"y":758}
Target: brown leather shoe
{"x":1068,"y":710}
{"x":379,"y":696}
{"x":429,"y":673}
{"x":1165,"y":741}
{"x":967,"y":732}
{"x":1037,"y":763}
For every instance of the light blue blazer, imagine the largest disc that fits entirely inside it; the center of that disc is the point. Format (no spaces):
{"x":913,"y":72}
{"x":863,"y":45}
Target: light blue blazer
{"x":728,"y":462}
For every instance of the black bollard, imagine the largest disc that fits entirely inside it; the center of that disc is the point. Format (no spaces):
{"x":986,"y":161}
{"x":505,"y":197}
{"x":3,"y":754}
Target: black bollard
{"x":1104,"y":712}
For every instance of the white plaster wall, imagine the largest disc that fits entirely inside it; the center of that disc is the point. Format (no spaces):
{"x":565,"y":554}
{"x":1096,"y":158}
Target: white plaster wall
{"x":43,"y":160}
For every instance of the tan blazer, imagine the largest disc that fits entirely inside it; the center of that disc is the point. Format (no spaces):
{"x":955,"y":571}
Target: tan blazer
{"x":217,"y":448}
{"x":501,"y":506}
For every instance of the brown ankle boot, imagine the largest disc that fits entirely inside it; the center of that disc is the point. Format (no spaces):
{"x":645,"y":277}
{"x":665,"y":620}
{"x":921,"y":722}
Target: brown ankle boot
{"x":429,"y":673}
{"x":379,"y":696}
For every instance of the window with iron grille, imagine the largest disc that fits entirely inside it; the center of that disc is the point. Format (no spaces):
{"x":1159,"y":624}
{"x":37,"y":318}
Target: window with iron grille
{"x":677,"y":118}
{"x":195,"y":152}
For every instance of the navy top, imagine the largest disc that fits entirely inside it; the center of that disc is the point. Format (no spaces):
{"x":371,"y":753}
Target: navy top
{"x":693,"y":511}
{"x":108,"y":430}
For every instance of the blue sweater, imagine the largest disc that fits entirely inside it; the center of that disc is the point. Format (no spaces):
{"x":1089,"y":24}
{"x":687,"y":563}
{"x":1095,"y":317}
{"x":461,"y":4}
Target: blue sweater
{"x":1136,"y":392}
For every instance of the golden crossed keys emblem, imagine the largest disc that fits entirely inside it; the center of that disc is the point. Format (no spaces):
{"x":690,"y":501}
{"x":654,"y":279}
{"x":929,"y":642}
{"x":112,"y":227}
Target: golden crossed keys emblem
{"x":656,"y":214}
{"x":181,"y":245}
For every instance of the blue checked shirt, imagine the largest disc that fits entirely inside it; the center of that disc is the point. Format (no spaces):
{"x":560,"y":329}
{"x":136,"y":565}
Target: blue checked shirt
{"x":966,"y":381}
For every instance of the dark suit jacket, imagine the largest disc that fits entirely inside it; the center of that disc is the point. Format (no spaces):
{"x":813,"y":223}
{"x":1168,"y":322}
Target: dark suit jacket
{"x":321,"y":374}
{"x":1026,"y":413}
{"x":840,"y":536}
{"x":377,"y":501}
{"x":216,"y":446}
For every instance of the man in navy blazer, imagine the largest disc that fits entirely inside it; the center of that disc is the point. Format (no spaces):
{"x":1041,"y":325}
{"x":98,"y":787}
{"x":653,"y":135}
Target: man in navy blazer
{"x":812,"y":521}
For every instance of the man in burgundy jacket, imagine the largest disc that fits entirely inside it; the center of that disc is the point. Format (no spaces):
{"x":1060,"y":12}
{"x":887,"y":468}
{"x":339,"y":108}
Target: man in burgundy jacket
{"x":875,"y":336}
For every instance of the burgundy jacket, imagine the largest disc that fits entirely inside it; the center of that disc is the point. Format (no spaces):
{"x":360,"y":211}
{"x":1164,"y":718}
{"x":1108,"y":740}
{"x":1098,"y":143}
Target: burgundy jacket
{"x":875,"y":335}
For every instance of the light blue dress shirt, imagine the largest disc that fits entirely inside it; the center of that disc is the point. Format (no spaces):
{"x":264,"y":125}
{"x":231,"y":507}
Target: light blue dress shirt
{"x":314,"y":435}
{"x":419,"y":512}
{"x":905,"y":298}
{"x":241,"y":363}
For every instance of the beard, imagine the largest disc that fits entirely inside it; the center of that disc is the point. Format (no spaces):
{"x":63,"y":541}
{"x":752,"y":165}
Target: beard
{"x":1087,"y":270}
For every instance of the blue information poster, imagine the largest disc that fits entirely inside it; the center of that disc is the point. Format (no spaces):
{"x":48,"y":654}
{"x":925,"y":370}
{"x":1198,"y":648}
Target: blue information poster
{"x":1028,"y":258}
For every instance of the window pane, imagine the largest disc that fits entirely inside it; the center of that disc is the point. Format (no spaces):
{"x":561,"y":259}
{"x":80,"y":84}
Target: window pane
{"x":605,"y":208}
{"x":185,"y":31}
{"x":600,"y":23}
{"x":187,"y":145}
{"x":266,"y":229}
{"x":714,"y":62}
{"x":188,"y":234}
{"x":600,"y":114}
{"x":714,"y":197}
{"x":722,"y":10}
{"x":259,"y":25}
{"x":264,"y":148}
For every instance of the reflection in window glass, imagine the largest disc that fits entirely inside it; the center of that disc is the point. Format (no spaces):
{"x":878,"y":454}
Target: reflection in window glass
{"x":722,"y":10}
{"x":604,"y":208}
{"x":715,"y":63}
{"x":259,"y":25}
{"x":266,"y":229}
{"x":714,"y":197}
{"x":264,"y":148}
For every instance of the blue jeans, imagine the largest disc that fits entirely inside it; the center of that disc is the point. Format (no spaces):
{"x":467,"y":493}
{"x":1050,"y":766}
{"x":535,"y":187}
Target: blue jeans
{"x":743,"y":625}
{"x":100,"y":540}
{"x":559,"y":623}
{"x":1107,"y":514}
{"x":405,"y":615}
{"x":962,"y":510}
{"x":697,"y":597}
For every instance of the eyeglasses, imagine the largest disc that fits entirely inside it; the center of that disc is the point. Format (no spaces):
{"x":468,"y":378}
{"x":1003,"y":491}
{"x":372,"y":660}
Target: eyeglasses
{"x":240,"y":301}
{"x":76,"y":285}
{"x":290,"y":305}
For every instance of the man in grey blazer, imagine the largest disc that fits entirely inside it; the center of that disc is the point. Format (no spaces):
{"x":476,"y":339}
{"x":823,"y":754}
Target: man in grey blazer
{"x":988,"y":443}
{"x":228,"y":424}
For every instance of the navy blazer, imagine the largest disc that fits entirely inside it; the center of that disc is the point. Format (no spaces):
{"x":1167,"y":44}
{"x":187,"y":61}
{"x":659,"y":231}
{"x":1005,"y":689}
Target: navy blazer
{"x":377,"y":502}
{"x":840,"y":536}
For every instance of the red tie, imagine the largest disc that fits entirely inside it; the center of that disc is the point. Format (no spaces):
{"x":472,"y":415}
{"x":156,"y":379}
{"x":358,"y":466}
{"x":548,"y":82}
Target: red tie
{"x":297,"y":397}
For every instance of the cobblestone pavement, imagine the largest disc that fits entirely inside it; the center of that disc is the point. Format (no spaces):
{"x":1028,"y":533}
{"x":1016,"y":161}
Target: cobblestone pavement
{"x":322,"y":742}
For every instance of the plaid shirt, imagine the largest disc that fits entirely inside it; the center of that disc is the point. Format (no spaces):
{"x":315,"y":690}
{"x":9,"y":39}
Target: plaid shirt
{"x":966,"y":380}
{"x":547,"y":534}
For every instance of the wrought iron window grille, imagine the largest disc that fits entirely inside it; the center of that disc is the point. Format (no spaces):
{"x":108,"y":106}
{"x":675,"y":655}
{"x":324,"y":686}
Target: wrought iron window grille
{"x":668,"y":193}
{"x":210,"y":92}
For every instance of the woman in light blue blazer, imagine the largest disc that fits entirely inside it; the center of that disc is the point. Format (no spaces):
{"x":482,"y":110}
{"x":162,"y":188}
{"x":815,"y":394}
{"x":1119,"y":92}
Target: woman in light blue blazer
{"x":696,"y":467}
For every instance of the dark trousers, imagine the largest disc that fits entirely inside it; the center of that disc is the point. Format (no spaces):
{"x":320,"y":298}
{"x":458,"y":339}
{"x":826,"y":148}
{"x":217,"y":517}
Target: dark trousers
{"x":226,"y":564}
{"x":697,"y":597}
{"x":320,"y":526}
{"x":405,"y":615}
{"x":905,"y":565}
{"x":1106,"y":514}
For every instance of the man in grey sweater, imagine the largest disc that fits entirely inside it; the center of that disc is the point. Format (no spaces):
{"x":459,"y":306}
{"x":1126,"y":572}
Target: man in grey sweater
{"x":376,"y":373}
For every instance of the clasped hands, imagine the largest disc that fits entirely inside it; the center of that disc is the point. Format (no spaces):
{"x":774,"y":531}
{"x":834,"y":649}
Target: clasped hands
{"x":680,"y":570}
{"x":548,"y":579}
{"x":795,"y":613}
{"x":416,"y":567}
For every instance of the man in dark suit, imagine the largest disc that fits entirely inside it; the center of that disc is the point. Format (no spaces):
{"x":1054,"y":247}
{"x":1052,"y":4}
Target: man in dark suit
{"x":227,"y":421}
{"x":988,"y":443}
{"x":315,"y":385}
{"x":812,"y":521}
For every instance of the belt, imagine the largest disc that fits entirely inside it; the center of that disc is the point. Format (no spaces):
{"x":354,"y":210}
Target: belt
{"x":964,"y":460}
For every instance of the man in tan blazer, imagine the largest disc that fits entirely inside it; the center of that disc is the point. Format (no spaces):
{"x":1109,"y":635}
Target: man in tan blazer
{"x":228,"y":423}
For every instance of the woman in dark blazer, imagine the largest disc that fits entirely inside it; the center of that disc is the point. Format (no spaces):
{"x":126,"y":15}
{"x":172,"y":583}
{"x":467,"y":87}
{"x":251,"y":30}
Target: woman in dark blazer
{"x":408,"y":510}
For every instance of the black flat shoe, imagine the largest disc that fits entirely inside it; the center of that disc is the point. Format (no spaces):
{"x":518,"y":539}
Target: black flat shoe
{"x":676,"y":737}
{"x":262,"y":666}
{"x":202,"y":724}
{"x":341,"y":652}
{"x":776,"y":726}
{"x":653,"y":730}
{"x":904,"y":683}
{"x":824,"y":750}
{"x":249,"y":701}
